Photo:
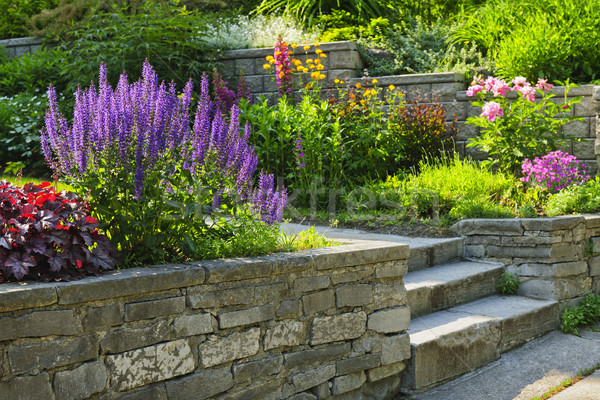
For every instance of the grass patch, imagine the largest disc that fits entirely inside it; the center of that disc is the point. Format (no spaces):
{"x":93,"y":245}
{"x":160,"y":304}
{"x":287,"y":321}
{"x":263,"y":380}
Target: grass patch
{"x":20,"y":181}
{"x":567,"y":382}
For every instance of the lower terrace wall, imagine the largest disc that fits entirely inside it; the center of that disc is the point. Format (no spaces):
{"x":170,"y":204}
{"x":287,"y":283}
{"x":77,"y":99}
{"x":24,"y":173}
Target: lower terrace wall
{"x":555,"y":258}
{"x":306,"y":325}
{"x":18,"y":47}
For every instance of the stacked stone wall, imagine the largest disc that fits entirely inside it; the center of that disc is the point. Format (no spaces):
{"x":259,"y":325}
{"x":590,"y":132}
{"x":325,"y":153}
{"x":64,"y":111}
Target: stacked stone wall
{"x":308,"y":325}
{"x":18,"y":47}
{"x":555,"y":258}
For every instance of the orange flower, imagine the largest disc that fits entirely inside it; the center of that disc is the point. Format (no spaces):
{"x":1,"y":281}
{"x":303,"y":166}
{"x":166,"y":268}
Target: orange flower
{"x":312,"y":66}
{"x":358,"y":85}
{"x":294,"y":45}
{"x":318,"y":51}
{"x":317,"y":61}
{"x":306,"y":47}
{"x":267,"y":66}
{"x":317,"y":44}
{"x":323,"y":55}
{"x":310,"y":60}
{"x":322,"y":76}
{"x":320,"y":67}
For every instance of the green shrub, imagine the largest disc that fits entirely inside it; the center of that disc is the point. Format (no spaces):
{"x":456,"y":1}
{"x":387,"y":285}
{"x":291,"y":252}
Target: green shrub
{"x":575,"y":199}
{"x":587,"y":312}
{"x":32,"y":71}
{"x":15,"y":15}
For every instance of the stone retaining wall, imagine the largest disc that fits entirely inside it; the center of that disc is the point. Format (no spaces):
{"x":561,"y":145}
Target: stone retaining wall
{"x":18,"y":47}
{"x":556,"y":258}
{"x":306,"y":325}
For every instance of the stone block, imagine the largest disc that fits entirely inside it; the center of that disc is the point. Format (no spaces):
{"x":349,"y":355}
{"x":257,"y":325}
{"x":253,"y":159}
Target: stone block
{"x":81,"y":382}
{"x":367,"y":344}
{"x":306,"y":380}
{"x":309,"y":358}
{"x":379,"y":373}
{"x":132,"y":338}
{"x":322,"y":391}
{"x":355,"y":364}
{"x":218,"y":350}
{"x":150,"y":364}
{"x":391,"y":270}
{"x":249,"y":316}
{"x":254,"y":83}
{"x":104,"y":316}
{"x":338,"y":327}
{"x":200,"y":298}
{"x":254,"y":370}
{"x":228,"y":68}
{"x":390,"y":320}
{"x":26,"y":387}
{"x":191,"y":325}
{"x":345,"y":60}
{"x":23,"y":295}
{"x":350,"y":255}
{"x":560,"y":289}
{"x":302,"y":396}
{"x":155,"y":308}
{"x":587,"y":107}
{"x":353,"y":275}
{"x":558,"y":270}
{"x":285,"y":334}
{"x":245,"y":66}
{"x":347,"y":383}
{"x":594,"y":265}
{"x":577,"y":128}
{"x":39,"y":324}
{"x":390,"y":294}
{"x":353,"y":295}
{"x":271,"y":294}
{"x":202,"y":385}
{"x":395,"y":348}
{"x":584,"y":150}
{"x":311,"y":283}
{"x":505,"y":227}
{"x":52,"y":353}
{"x":270,"y":390}
{"x":318,"y":301}
{"x":288,"y":308}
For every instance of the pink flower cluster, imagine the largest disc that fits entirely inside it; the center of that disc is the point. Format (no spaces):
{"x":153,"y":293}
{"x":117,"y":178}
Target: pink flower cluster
{"x":283,"y":67}
{"x":499,"y":87}
{"x":554,"y":171}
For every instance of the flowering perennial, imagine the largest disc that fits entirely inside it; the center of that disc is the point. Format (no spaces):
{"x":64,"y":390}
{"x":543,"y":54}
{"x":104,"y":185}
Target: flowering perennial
{"x":47,"y":235}
{"x":555,"y":171}
{"x":283,"y":67}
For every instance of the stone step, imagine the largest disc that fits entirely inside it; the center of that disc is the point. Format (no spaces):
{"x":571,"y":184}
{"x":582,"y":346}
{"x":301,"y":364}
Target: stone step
{"x":447,"y":344}
{"x":424,"y":252}
{"x":444,"y":286}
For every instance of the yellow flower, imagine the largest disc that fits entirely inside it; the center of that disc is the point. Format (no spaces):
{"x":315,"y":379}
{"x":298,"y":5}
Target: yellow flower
{"x":317,"y":44}
{"x":363,"y":102}
{"x":281,"y":74}
{"x":269,"y":58}
{"x":367,"y":93}
{"x":392,"y":87}
{"x":310,"y":60}
{"x":290,"y":52}
{"x":305,"y":70}
{"x":320,"y":67}
{"x":352,"y":104}
{"x":318,"y":51}
{"x":314,"y":75}
{"x":322,"y":76}
{"x":317,"y":61}
{"x":373,"y":92}
{"x":294,"y":45}
{"x":279,"y":67}
{"x":358,"y":85}
{"x":312,"y":66}
{"x":341,"y":82}
{"x":277,"y":53}
{"x":323,"y":55}
{"x":374,"y":81}
{"x":267,"y":66}
{"x":336,"y":81}
{"x":306,"y":47}
{"x":272,"y":61}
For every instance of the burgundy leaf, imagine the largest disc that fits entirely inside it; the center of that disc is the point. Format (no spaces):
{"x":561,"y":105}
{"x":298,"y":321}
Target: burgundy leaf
{"x":20,"y":264}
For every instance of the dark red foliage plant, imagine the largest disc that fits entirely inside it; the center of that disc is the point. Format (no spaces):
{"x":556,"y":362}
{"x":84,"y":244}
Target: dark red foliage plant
{"x":45,"y":235}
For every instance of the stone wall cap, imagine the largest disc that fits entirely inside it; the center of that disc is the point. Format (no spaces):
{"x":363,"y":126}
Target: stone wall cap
{"x":347,"y":45}
{"x":23,"y":295}
{"x":558,"y":91}
{"x":417,"y":79}
{"x":592,"y":220}
{"x":23,"y":41}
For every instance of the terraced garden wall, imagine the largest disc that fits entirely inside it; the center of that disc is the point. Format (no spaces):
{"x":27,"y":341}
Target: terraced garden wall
{"x":300,"y":325}
{"x":343,"y":62}
{"x":18,"y":47}
{"x":556,"y":258}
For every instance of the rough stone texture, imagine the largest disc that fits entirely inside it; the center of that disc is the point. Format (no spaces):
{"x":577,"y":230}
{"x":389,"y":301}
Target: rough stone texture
{"x":100,"y":317}
{"x":130,"y":338}
{"x":379,"y":373}
{"x":307,"y":380}
{"x":312,"y":283}
{"x":150,"y":364}
{"x":287,"y":333}
{"x":23,"y":295}
{"x":395,"y":348}
{"x":289,"y":308}
{"x":238,"y":345}
{"x":195,"y":324}
{"x":153,"y":393}
{"x":347,"y":383}
{"x":203,"y":299}
{"x":391,"y":270}
{"x":155,"y":308}
{"x":263,"y":391}
{"x":322,"y":391}
{"x":202,"y":385}
{"x":39,"y":324}
{"x":52,"y":353}
{"x":319,"y":301}
{"x":338,"y":327}
{"x":390,"y":321}
{"x":252,"y":370}
{"x":26,"y":387}
{"x":81,"y":382}
{"x":353,"y":295}
{"x":356,"y":364}
{"x":246,"y":317}
{"x":309,"y":358}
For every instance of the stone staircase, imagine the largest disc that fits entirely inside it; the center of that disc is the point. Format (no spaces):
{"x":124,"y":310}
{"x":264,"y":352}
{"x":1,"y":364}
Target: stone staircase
{"x":459,"y":322}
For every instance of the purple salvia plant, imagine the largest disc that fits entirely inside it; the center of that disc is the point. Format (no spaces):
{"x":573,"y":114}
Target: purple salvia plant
{"x":139,"y":127}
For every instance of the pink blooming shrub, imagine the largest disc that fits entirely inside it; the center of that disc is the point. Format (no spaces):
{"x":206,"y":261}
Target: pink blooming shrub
{"x":492,"y":110}
{"x":554,"y":171}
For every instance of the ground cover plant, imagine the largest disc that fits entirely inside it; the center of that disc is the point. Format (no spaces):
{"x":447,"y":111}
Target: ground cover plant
{"x":586,"y":313}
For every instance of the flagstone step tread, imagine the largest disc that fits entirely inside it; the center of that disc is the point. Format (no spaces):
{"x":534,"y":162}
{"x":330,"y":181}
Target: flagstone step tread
{"x":444,"y":286}
{"x":449,"y":343}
